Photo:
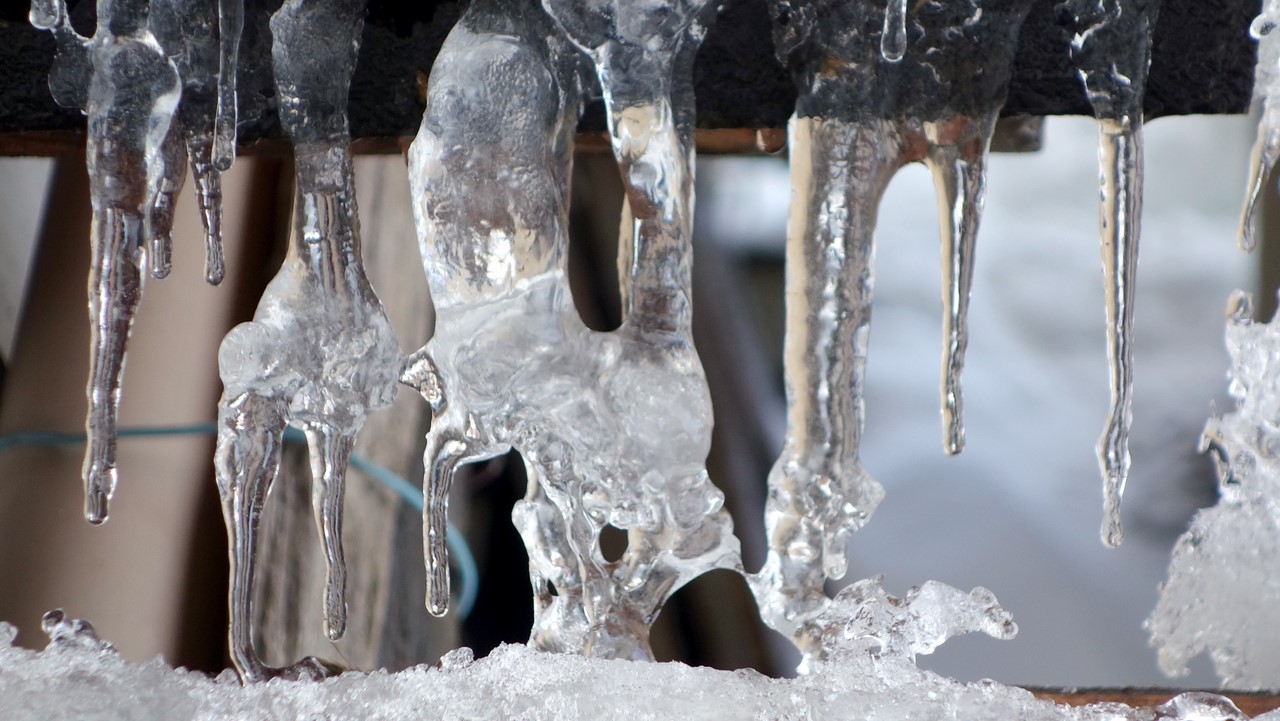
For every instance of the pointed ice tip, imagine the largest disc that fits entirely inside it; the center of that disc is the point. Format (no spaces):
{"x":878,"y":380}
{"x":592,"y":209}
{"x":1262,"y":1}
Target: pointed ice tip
{"x":335,"y":630}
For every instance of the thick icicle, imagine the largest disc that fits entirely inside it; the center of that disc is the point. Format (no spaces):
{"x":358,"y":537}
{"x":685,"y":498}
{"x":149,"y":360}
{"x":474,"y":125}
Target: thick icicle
{"x":1266,"y":94}
{"x":130,"y":94}
{"x":859,"y":118}
{"x":1221,"y":595}
{"x":319,"y":352}
{"x":1112,"y":52}
{"x":513,"y":366}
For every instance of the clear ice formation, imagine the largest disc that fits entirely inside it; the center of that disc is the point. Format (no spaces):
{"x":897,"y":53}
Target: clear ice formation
{"x":1223,"y":590}
{"x":859,"y":118}
{"x":129,"y":89}
{"x":1266,"y":94}
{"x":145,"y":80}
{"x":1112,"y":52}
{"x":77,"y":677}
{"x":319,"y":352}
{"x":202,"y":39}
{"x":614,"y":427}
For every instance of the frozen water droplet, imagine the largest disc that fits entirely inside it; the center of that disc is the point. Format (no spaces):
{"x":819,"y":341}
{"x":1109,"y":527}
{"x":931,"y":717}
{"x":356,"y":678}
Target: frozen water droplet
{"x":857,"y":122}
{"x":72,"y":633}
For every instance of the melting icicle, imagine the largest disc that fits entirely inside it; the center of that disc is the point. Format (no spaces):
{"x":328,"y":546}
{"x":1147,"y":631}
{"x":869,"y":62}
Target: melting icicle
{"x":1221,"y":588}
{"x":893,"y":37}
{"x":859,"y":119}
{"x":129,"y":95}
{"x":1112,"y":52}
{"x":319,"y":352}
{"x":513,"y":366}
{"x":1266,"y":94}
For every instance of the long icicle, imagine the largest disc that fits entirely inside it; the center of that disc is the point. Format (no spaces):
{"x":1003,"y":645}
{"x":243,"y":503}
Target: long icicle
{"x":1112,"y":53}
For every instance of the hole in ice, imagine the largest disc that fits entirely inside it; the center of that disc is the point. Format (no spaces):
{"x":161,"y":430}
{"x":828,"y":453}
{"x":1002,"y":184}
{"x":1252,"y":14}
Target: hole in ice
{"x":593,"y":241}
{"x":551,"y":589}
{"x":712,"y":607}
{"x":613,"y":543}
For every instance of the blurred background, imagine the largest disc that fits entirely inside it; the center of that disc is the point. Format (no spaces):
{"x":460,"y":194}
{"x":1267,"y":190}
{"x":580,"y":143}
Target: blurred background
{"x":1017,"y":512}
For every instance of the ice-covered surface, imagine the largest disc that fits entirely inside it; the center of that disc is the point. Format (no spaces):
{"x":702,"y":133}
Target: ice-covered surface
{"x":1223,"y":591}
{"x":78,"y":677}
{"x":614,"y":427}
{"x":319,"y":352}
{"x":1112,"y":52}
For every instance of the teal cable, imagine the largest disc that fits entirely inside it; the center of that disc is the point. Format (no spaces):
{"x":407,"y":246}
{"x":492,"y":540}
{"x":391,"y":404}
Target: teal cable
{"x":459,"y":552}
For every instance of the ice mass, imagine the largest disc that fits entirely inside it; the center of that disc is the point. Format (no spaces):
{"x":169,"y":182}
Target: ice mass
{"x":614,"y":427}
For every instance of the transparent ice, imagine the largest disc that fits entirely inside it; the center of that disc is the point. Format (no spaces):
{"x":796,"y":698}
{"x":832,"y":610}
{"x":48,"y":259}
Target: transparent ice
{"x":1112,"y":53}
{"x":859,"y":118}
{"x":1266,"y":94}
{"x":80,"y":678}
{"x":614,"y":427}
{"x":202,"y":40}
{"x":129,"y":90}
{"x":319,"y":353}
{"x":1223,"y":591}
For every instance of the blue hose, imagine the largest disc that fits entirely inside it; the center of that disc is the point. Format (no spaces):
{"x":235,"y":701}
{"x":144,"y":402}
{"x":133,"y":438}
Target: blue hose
{"x":459,"y":552}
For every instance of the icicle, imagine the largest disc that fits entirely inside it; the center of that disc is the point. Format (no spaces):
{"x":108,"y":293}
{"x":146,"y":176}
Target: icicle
{"x":319,"y":352}
{"x":893,"y":37}
{"x":1111,"y":50}
{"x":1266,"y":93}
{"x":130,"y":94}
{"x":957,"y":156}
{"x":230,"y":26}
{"x":489,"y":171}
{"x":189,"y":32}
{"x":861,"y":116}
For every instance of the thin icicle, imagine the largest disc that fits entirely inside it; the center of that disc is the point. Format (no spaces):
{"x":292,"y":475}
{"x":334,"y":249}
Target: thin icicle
{"x":189,"y":32}
{"x":319,"y":352}
{"x":957,"y":157}
{"x":230,"y":27}
{"x":1266,"y":94}
{"x":1112,"y":52}
{"x":129,"y":91}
